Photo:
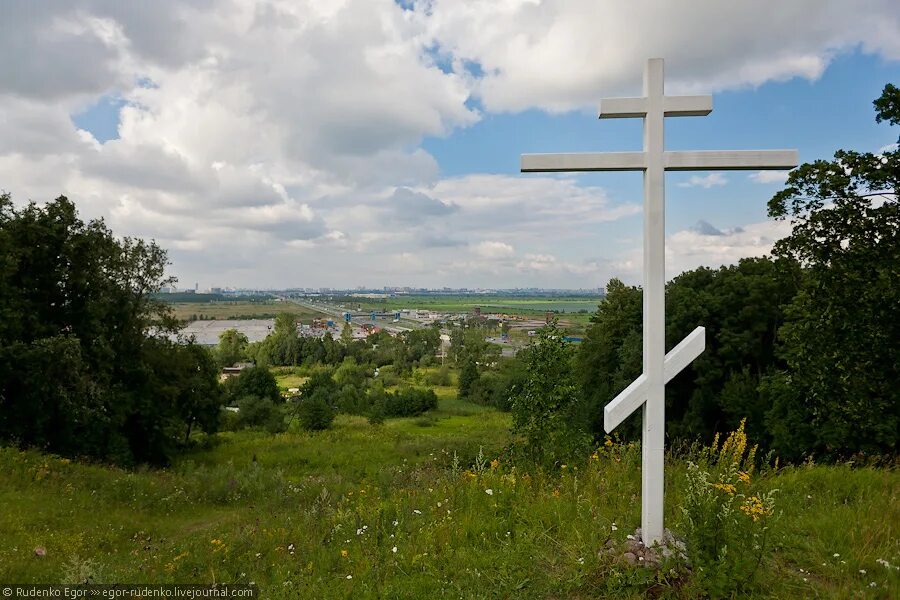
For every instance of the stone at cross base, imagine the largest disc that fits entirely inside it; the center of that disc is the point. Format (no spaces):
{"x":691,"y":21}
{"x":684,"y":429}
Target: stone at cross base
{"x":648,"y":390}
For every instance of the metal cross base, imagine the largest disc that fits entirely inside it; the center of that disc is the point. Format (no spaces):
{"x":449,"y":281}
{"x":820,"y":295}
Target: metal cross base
{"x":648,"y":390}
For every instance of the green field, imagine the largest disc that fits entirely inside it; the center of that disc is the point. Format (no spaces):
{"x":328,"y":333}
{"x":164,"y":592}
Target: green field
{"x":488,"y":303}
{"x":414,"y":509}
{"x":238,"y":309}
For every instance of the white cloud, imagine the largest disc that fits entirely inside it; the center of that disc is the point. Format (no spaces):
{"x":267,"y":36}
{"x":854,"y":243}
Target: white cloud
{"x":695,"y":247}
{"x":769,"y":177}
{"x":705,"y":181}
{"x":557,"y":54}
{"x":280,"y":142}
{"x":492,"y":249}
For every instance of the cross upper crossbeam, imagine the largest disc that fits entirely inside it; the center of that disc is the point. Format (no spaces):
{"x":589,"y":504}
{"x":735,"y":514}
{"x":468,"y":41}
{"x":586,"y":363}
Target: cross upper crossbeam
{"x":673,"y":106}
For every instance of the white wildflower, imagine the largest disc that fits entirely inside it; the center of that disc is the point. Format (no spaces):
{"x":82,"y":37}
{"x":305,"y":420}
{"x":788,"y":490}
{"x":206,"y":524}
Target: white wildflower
{"x":489,"y":492}
{"x":394,"y":549}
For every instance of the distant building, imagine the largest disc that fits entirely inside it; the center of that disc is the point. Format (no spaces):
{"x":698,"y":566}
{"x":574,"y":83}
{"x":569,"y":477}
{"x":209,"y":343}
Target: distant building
{"x":228,"y":372}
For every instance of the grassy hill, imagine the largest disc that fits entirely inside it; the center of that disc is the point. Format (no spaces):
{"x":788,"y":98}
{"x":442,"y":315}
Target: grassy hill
{"x":415,"y":509}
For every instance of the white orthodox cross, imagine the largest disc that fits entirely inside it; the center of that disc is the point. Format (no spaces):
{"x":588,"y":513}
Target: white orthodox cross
{"x":648,"y":390}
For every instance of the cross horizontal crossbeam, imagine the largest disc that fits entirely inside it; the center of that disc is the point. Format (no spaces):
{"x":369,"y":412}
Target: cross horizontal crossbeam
{"x":695,"y":160}
{"x":673,"y":106}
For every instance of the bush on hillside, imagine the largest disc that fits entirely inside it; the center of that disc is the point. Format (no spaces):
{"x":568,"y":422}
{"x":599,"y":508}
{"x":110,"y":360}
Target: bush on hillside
{"x":315,"y":412}
{"x":409,"y":402}
{"x":260,"y":412}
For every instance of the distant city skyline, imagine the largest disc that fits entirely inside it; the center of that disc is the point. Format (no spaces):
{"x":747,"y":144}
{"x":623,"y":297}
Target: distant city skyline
{"x":360,"y":142}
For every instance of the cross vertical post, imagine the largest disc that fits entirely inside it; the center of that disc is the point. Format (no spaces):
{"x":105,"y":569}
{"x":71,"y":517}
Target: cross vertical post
{"x":653,"y":435}
{"x":648,"y":390}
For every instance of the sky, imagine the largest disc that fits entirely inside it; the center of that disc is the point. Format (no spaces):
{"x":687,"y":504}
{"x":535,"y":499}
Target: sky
{"x":275,"y":144}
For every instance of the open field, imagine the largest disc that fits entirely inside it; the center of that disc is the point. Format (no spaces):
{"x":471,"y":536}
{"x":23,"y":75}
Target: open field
{"x":239,"y":309}
{"x":494,"y":303}
{"x":409,"y":510}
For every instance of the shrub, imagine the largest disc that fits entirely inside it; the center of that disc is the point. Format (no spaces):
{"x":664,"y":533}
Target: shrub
{"x":468,"y":375}
{"x":253,"y":381}
{"x":439,"y":377}
{"x":260,"y":412}
{"x":409,"y":402}
{"x":725,"y":514}
{"x":314,"y":412}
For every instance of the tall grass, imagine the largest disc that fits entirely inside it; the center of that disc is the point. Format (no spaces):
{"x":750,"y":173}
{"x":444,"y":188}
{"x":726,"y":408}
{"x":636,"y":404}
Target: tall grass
{"x":406,"y":510}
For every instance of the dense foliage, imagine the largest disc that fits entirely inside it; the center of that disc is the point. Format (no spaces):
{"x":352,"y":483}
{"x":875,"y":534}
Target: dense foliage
{"x":839,"y":392}
{"x":87,"y":363}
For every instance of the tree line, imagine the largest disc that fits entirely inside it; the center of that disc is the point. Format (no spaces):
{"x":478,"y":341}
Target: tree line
{"x":804,"y":344}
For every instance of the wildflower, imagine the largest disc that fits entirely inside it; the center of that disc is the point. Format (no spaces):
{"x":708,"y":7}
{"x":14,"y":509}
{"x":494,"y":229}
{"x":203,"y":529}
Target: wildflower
{"x":608,"y":443}
{"x":862,"y":571}
{"x":873,"y":584}
{"x":489,"y":492}
{"x":743,"y":476}
{"x":836,"y":555}
{"x":394,"y":549}
{"x":613,"y":527}
{"x":470,"y":474}
{"x":595,"y":456}
{"x":728,"y":488}
{"x":754,"y":508}
{"x":396,"y":522}
{"x":417,"y":511}
{"x":349,"y":576}
{"x":495,"y":463}
{"x":344,"y":554}
{"x":556,"y":493}
{"x":563,"y":467}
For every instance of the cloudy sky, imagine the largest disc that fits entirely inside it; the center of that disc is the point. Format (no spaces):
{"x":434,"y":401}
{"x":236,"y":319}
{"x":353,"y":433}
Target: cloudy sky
{"x":369,"y":142}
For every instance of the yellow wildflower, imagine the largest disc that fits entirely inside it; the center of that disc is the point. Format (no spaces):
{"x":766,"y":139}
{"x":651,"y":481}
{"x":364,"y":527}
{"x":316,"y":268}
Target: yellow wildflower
{"x":470,"y":475}
{"x":563,"y":467}
{"x":754,"y":508}
{"x":556,"y":493}
{"x":495,"y":463}
{"x":728,"y":488}
{"x":344,"y":554}
{"x":595,"y":456}
{"x":608,"y":442}
{"x":743,"y":476}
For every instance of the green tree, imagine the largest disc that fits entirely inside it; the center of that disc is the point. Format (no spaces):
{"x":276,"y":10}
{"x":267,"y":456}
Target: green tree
{"x":315,"y":411}
{"x":253,"y":381}
{"x":468,"y":375}
{"x":232,"y":347}
{"x":88,"y":365}
{"x":547,"y":408}
{"x":839,"y":392}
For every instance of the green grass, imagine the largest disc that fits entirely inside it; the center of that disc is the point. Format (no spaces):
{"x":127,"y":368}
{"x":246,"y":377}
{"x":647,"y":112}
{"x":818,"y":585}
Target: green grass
{"x":489,"y":303}
{"x":279,"y":510}
{"x":237,"y":309}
